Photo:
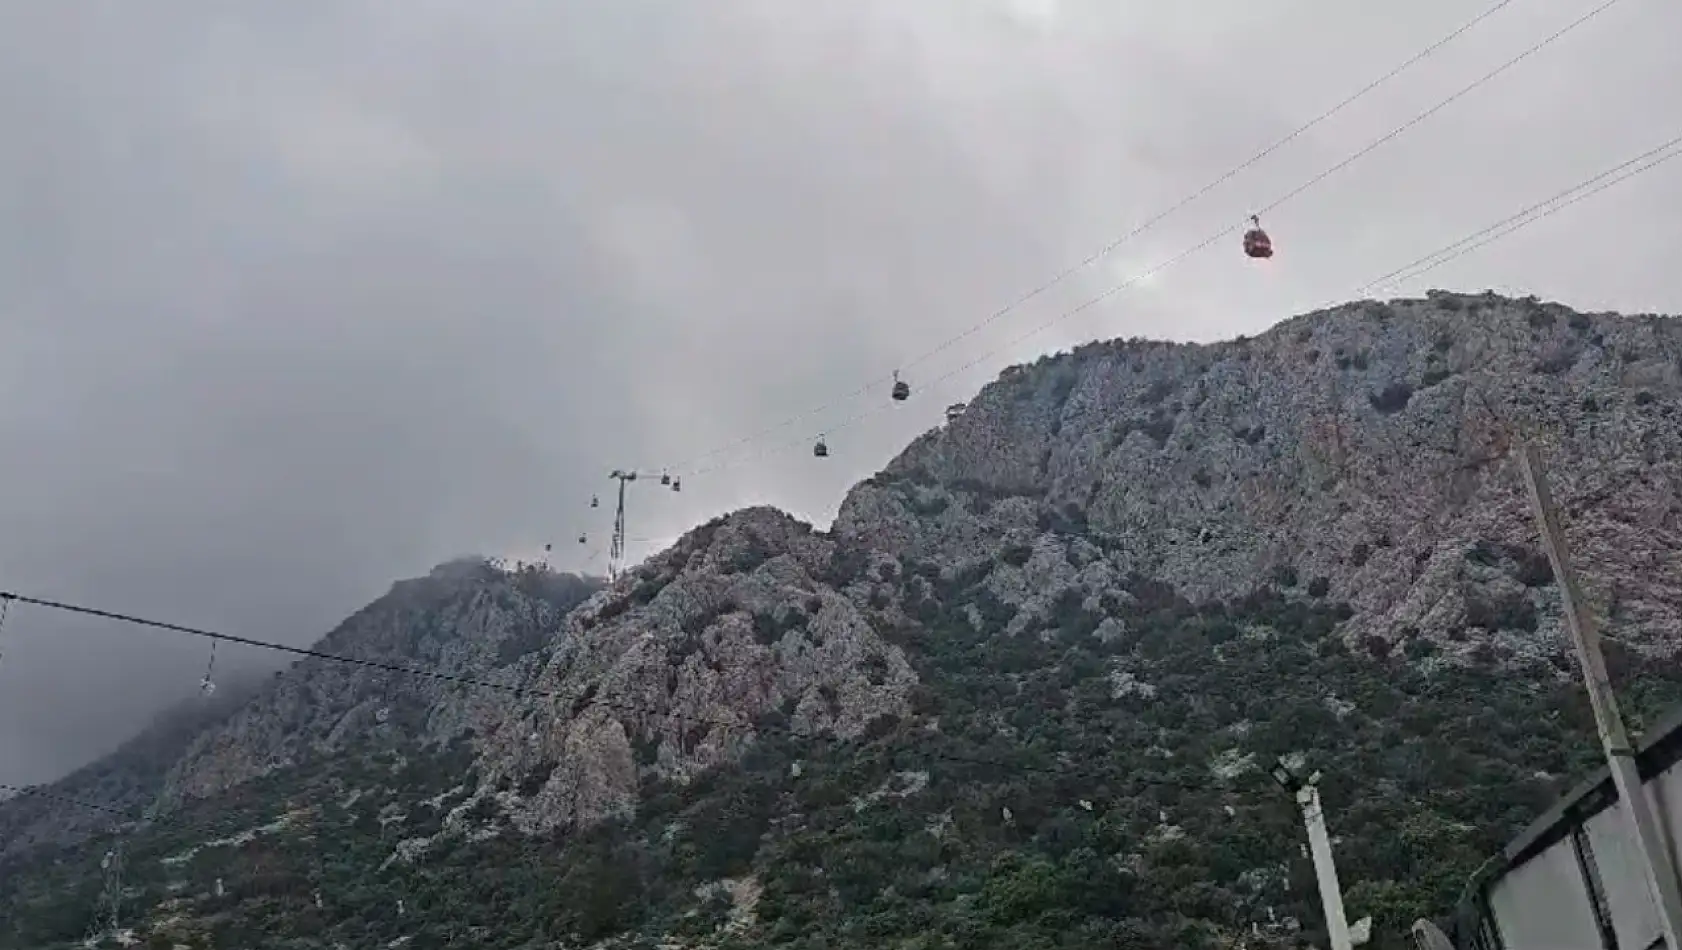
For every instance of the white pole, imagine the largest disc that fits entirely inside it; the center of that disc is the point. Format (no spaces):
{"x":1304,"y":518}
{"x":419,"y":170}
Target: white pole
{"x":1325,"y":871}
{"x":1620,"y":755}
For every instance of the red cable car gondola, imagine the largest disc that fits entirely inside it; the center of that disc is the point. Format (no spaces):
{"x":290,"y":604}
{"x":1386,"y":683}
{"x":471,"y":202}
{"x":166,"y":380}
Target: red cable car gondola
{"x":1256,"y":242}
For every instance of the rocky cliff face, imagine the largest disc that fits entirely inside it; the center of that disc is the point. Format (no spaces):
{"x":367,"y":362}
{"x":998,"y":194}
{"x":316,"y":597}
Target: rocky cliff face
{"x":674,"y":672}
{"x":1363,"y":450}
{"x":1165,"y":563}
{"x":467,"y":619}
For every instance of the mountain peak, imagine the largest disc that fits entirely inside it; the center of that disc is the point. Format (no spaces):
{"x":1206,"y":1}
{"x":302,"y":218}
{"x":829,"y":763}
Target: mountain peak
{"x":1360,"y":447}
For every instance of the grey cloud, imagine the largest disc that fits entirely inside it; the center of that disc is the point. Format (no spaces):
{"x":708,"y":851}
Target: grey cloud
{"x":298,"y":299}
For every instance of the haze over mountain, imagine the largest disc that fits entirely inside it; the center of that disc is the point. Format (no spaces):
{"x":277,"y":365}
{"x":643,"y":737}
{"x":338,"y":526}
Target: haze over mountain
{"x":1022,"y":694}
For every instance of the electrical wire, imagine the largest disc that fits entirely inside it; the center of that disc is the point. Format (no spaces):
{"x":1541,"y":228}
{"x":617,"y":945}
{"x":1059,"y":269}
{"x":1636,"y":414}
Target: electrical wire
{"x":694,"y":466}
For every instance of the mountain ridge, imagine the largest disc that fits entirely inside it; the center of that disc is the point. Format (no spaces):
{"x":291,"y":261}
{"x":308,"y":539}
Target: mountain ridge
{"x":146,"y":774}
{"x":1152,"y":565}
{"x":1342,"y":403}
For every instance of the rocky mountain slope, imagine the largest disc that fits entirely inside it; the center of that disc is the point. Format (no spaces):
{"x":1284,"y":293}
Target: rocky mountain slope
{"x":1020,"y":695}
{"x":464,"y":618}
{"x":128,"y":780}
{"x":1361,"y":448}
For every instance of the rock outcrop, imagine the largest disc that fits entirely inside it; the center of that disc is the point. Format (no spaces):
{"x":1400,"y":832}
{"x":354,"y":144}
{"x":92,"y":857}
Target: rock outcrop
{"x":673,"y":672}
{"x":1362,"y":450}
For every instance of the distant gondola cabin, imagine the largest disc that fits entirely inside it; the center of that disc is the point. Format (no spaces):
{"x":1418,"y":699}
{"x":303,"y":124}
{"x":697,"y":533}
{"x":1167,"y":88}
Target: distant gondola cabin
{"x":1257,"y":244}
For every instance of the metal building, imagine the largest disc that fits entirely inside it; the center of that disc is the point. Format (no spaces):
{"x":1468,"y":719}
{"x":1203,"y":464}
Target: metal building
{"x":1572,"y":881}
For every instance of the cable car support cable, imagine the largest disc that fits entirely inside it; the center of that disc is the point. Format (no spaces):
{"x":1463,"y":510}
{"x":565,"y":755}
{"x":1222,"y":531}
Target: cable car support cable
{"x":695,"y":462}
{"x":1456,"y":249}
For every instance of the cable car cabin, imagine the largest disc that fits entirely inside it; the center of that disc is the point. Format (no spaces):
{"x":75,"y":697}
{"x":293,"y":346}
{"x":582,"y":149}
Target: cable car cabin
{"x":820,"y":450}
{"x":902,"y":391}
{"x":583,"y":539}
{"x":677,"y":484}
{"x":1256,"y":242}
{"x":595,"y":502}
{"x":665,"y":479}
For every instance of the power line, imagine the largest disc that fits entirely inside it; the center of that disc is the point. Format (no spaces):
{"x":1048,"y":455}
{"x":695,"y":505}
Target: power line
{"x":1456,"y":249}
{"x":1110,"y":247}
{"x":1510,"y":230}
{"x":1225,"y":177}
{"x":1226,"y":231}
{"x":578,"y":703}
{"x":1490,"y":234}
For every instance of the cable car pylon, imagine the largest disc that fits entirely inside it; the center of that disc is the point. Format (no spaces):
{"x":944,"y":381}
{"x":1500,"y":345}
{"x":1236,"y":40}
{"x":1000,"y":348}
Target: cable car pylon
{"x":616,"y":550}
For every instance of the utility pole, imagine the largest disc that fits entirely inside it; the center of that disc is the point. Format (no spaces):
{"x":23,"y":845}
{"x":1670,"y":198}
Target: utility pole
{"x":1307,"y":793}
{"x":1620,"y":755}
{"x":616,"y":552}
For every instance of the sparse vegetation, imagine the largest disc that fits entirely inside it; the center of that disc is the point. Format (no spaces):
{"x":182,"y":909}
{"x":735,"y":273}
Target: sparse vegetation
{"x":856,"y":875}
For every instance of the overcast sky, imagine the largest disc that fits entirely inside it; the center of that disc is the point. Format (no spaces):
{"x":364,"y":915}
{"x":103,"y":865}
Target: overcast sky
{"x":299,"y":298}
